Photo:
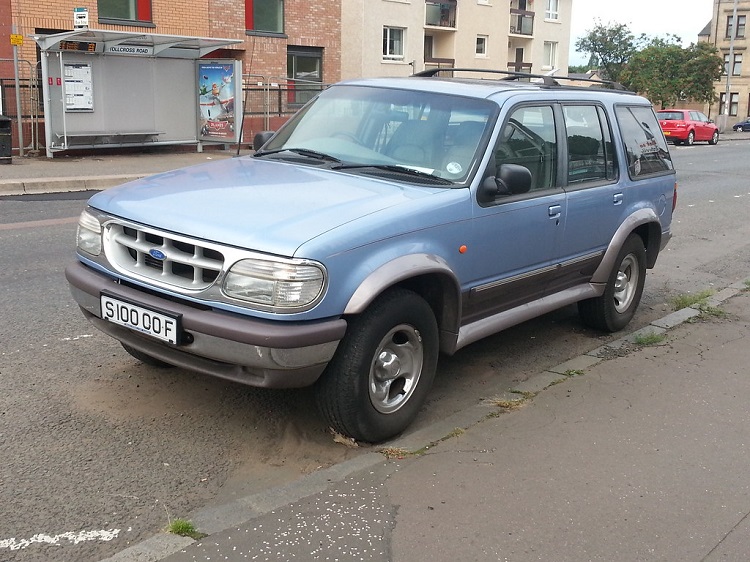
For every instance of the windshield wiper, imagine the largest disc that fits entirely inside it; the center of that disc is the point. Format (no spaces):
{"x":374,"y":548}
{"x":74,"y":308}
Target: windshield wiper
{"x":398,"y":169}
{"x":301,"y":151}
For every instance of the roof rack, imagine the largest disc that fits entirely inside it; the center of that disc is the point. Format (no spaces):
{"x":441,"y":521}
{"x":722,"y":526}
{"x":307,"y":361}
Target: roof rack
{"x":545,"y":79}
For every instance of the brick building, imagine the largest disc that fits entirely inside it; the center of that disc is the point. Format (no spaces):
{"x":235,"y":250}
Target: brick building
{"x":291,"y":48}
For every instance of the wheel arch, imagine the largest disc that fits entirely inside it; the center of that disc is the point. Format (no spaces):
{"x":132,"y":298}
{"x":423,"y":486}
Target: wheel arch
{"x":427,"y":275}
{"x":644,"y":223}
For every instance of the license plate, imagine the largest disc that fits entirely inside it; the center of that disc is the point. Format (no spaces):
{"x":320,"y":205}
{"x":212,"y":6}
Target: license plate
{"x":165,"y":327}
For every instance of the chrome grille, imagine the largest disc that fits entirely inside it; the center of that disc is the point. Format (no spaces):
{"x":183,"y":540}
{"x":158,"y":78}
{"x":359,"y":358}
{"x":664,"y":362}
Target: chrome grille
{"x":188,"y":264}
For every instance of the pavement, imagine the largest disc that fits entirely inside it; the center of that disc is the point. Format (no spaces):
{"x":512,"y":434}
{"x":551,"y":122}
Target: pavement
{"x":78,"y":171}
{"x":628,"y":452}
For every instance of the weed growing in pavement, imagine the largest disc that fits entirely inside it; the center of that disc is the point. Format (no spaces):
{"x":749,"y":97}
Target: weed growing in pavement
{"x":747,"y":285}
{"x":508,"y":404}
{"x":683,"y":301}
{"x":396,"y":453}
{"x":651,"y":338}
{"x":184,"y":528}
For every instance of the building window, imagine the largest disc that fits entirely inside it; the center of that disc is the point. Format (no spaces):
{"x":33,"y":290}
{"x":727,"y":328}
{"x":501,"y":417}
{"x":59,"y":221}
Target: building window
{"x":128,"y":10}
{"x":304,"y":69}
{"x":736,"y":67}
{"x":740,"y":27}
{"x":553,"y":10}
{"x":265,"y":16}
{"x":481,"y":46}
{"x":393,"y":43}
{"x":550,"y":55}
{"x":734,"y":103}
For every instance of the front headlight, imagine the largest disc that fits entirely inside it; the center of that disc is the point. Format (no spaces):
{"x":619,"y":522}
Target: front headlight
{"x":89,"y":234}
{"x":283,"y":286}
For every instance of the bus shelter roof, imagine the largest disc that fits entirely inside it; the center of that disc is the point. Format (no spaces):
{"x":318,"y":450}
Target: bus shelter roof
{"x":176,"y":46}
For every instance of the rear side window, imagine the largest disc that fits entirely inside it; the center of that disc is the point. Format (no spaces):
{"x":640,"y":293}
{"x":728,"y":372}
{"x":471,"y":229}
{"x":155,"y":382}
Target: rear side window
{"x":645,"y":147}
{"x":670,"y":115}
{"x":590,"y":151}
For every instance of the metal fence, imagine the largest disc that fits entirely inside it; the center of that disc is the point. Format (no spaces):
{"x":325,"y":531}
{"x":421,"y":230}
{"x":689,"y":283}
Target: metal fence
{"x":266,"y":98}
{"x":29,"y":94}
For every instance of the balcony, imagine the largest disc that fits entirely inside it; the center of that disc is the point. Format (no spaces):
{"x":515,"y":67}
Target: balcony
{"x":440,"y":14}
{"x":521,"y":22}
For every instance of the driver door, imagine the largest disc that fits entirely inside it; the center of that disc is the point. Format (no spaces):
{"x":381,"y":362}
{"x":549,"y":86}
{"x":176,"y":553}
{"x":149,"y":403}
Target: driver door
{"x":516,"y":236}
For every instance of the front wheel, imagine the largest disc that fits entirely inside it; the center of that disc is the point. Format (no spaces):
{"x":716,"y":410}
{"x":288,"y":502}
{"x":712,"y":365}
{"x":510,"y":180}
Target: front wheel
{"x":383,"y":369}
{"x":616,"y":307}
{"x":714,"y":138}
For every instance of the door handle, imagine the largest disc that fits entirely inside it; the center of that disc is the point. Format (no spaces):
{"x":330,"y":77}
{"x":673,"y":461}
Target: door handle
{"x":554,"y":211}
{"x":618,"y":199}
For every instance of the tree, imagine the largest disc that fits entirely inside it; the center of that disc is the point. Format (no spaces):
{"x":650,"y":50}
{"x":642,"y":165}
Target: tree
{"x":666,"y":73}
{"x":703,"y":67}
{"x":657,"y":72}
{"x":611,"y":46}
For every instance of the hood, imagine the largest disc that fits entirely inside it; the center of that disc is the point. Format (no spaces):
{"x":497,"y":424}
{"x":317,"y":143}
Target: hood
{"x":268,"y":206}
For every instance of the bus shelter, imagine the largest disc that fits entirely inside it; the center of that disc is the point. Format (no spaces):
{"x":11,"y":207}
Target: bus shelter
{"x":106,"y":89}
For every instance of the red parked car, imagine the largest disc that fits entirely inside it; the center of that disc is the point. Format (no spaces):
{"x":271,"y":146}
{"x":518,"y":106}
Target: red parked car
{"x":687,"y":126}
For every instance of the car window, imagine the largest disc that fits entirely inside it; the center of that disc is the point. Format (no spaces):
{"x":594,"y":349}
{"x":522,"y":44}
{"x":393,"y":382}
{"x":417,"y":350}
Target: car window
{"x":435,"y":133}
{"x":529,"y":139}
{"x":590,"y":152}
{"x":645,"y":146}
{"x":670,"y":115}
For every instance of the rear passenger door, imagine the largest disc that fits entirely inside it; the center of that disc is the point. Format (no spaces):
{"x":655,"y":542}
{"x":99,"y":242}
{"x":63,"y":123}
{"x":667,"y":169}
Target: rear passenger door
{"x":702,"y":130}
{"x":595,"y":199}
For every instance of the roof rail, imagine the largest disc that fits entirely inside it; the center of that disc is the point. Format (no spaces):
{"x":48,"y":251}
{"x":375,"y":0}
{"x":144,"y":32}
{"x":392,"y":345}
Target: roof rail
{"x":545,"y":79}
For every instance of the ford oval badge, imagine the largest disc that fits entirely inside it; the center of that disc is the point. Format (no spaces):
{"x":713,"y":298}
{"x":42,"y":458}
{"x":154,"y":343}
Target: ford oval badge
{"x":157,"y":254}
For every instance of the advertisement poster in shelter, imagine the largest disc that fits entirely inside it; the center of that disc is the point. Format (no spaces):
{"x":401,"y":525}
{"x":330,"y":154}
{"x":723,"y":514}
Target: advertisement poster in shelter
{"x":217,"y":94}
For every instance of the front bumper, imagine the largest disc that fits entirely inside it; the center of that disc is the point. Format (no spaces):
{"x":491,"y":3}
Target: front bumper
{"x":221,"y":344}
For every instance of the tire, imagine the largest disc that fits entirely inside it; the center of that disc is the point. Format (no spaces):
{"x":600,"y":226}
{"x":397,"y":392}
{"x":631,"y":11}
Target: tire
{"x":690,"y":138}
{"x":382,"y":370}
{"x":146,"y":359}
{"x":714,"y":138}
{"x":613,"y":310}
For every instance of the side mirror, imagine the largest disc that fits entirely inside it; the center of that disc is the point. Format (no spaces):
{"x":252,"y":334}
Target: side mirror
{"x":511,"y":179}
{"x":262,"y":138}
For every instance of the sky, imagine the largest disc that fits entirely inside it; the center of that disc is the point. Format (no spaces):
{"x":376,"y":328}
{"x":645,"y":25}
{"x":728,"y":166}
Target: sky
{"x":685,"y":18}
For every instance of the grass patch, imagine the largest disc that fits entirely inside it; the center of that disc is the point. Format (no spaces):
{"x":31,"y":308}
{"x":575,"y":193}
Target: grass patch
{"x":651,"y":338}
{"x":712,"y":311}
{"x":747,"y":285}
{"x":184,"y":528}
{"x":573,"y":373}
{"x":686,"y":300}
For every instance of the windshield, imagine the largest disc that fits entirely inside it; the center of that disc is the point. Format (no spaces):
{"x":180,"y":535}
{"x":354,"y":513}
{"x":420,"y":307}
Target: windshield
{"x":366,"y":127}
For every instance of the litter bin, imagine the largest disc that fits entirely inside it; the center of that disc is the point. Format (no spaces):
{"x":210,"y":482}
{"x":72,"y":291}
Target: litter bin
{"x":5,"y":140}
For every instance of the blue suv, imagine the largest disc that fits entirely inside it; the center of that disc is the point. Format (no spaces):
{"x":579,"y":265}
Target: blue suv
{"x":390,"y":220}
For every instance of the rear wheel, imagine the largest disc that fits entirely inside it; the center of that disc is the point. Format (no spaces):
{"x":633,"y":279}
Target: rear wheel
{"x":616,"y":307}
{"x":383,"y":369}
{"x":714,"y":138}
{"x":690,"y":138}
